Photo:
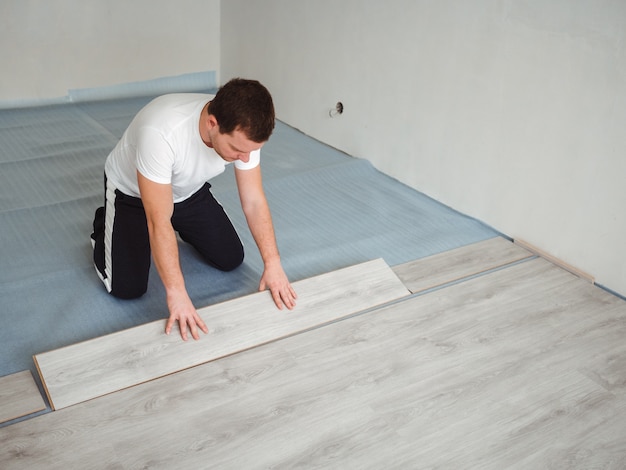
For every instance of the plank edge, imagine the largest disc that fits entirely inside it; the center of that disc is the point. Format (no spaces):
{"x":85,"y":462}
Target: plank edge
{"x":468,"y":276}
{"x":43,"y":382}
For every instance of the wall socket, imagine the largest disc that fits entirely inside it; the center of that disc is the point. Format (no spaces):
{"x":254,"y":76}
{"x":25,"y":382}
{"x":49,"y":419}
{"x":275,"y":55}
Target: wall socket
{"x":337,"y":110}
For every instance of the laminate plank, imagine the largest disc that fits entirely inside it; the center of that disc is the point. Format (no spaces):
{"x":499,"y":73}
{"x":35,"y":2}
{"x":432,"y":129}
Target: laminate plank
{"x":103,"y":365}
{"x":19,"y":396}
{"x":489,"y":373}
{"x":453,"y":265}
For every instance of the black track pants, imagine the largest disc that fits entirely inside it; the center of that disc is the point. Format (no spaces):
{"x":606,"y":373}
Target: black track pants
{"x":122,"y":246}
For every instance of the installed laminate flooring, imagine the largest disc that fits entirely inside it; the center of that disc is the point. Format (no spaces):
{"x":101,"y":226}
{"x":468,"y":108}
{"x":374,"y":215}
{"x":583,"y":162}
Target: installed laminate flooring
{"x":520,"y":368}
{"x":103,"y":365}
{"x":19,"y":396}
{"x":459,"y":263}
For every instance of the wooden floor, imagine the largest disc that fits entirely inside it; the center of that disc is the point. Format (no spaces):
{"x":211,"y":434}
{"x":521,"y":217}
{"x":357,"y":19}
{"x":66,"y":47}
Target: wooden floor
{"x":19,"y":396}
{"x":523,"y":367}
{"x":463,"y":262}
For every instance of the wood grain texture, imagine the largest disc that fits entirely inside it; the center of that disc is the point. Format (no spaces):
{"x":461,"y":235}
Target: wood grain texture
{"x":516,"y":369}
{"x":103,"y":365}
{"x":453,"y":265}
{"x":19,"y":396}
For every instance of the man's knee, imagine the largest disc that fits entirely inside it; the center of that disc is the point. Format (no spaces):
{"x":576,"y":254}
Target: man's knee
{"x":232,"y":266}
{"x":232,"y":260}
{"x":128,"y":292}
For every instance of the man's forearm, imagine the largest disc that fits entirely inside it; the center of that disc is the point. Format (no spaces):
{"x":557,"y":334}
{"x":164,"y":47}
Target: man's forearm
{"x":256,"y":209}
{"x":165,"y":253}
{"x":260,"y":223}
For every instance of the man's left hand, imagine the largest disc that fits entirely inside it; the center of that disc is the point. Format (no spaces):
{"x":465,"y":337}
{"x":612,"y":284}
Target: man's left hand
{"x":275,"y":279}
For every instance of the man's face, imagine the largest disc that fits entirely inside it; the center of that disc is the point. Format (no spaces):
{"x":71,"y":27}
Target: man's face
{"x":233,"y":146}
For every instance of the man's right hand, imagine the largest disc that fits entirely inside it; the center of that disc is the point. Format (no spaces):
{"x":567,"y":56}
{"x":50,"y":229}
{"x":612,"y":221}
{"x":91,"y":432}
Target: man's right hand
{"x":182,"y":311}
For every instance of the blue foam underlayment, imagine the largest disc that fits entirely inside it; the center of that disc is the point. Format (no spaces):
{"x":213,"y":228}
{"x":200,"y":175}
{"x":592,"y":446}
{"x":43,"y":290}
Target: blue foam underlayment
{"x":330,"y":210}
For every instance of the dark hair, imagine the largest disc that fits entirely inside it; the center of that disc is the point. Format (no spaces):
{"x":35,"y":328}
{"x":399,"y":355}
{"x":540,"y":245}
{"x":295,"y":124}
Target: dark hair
{"x":245,"y":105}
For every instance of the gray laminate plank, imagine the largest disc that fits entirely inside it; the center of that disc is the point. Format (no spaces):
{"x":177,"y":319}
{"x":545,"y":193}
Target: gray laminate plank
{"x":19,"y":396}
{"x":459,"y":263}
{"x":103,"y":365}
{"x":489,"y":373}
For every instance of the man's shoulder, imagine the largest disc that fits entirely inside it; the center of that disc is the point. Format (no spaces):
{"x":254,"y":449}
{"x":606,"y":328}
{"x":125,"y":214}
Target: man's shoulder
{"x":167,"y":111}
{"x":177,"y":99}
{"x":176,"y":103}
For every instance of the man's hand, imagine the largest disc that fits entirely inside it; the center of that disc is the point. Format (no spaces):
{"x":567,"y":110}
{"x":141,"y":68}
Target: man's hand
{"x":183,"y":311}
{"x":275,"y":279}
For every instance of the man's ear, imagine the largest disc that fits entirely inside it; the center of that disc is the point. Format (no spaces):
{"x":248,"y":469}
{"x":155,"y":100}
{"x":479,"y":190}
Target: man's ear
{"x":212,"y":122}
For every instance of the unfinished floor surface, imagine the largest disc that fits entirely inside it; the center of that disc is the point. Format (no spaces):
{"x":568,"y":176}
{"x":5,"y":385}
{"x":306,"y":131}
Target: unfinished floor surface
{"x":518,"y":368}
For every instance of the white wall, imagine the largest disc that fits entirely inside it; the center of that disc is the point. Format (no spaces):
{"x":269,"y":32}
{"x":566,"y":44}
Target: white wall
{"x":511,"y":111}
{"x":50,"y":46}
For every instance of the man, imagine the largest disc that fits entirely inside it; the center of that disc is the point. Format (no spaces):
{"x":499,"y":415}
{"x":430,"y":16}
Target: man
{"x":156,"y":184}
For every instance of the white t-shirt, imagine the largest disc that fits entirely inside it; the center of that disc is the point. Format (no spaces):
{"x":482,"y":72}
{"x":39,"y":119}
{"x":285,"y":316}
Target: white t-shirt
{"x":163,"y":142}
